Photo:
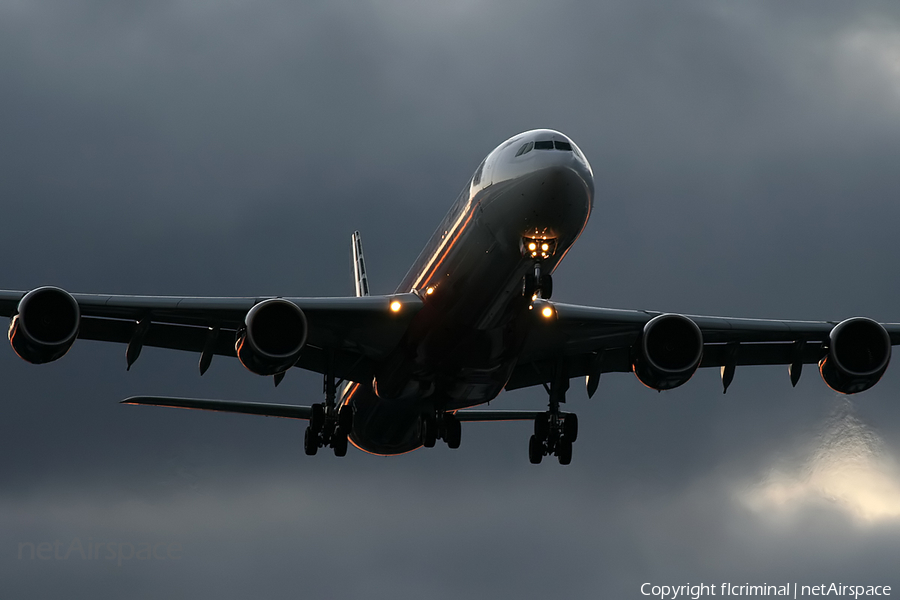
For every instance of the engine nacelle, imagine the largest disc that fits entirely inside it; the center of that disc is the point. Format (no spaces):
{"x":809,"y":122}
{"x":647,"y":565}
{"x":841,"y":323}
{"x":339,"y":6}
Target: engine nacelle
{"x":272,"y":338}
{"x":669,"y":352}
{"x":859,"y":351}
{"x":45,"y":325}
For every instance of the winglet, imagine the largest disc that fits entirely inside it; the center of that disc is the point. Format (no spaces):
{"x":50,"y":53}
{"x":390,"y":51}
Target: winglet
{"x":359,"y":265}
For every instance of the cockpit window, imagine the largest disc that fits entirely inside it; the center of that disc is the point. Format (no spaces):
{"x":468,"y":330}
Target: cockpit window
{"x":563,"y":146}
{"x":548,"y":145}
{"x":476,"y":179}
{"x":525,"y":149}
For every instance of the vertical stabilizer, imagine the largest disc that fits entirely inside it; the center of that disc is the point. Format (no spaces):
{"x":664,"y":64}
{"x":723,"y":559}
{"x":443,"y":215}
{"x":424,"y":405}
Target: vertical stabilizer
{"x":359,"y":265}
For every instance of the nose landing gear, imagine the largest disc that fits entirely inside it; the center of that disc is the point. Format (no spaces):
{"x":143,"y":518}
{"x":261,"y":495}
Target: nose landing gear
{"x":538,"y":283}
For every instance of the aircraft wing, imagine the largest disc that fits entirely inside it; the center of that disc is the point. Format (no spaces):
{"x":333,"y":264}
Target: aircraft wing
{"x":592,"y":341}
{"x":359,"y":330}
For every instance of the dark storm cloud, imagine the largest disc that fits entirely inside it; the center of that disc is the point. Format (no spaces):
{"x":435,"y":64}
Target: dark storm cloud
{"x":745,"y":158}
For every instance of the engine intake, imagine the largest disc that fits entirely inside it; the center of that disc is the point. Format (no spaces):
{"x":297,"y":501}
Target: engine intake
{"x":45,"y":325}
{"x":859,"y":351}
{"x":669,"y":352}
{"x":272,"y":338}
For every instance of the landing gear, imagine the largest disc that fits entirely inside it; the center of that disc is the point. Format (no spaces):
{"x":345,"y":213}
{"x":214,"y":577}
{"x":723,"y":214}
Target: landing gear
{"x":329,"y":425}
{"x":554,"y":431}
{"x":443,"y":426}
{"x":537,"y":283}
{"x":452,"y":432}
{"x":535,"y":449}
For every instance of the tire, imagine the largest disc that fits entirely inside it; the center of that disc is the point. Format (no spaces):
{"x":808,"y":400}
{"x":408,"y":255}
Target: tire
{"x":453,"y":434}
{"x":310,"y":441}
{"x":564,"y":452}
{"x":535,"y":450}
{"x":317,"y":418}
{"x":529,"y":287}
{"x":542,"y":426}
{"x":340,"y":445}
{"x":570,"y":427}
{"x":546,"y":286}
{"x":429,"y":432}
{"x":345,"y":419}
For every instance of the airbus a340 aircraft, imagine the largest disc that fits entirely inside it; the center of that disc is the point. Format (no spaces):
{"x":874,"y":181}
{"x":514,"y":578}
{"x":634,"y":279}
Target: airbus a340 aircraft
{"x":472,"y":317}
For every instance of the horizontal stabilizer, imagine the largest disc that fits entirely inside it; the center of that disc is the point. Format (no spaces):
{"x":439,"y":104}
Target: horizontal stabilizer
{"x":497,"y":415}
{"x":288,"y":411}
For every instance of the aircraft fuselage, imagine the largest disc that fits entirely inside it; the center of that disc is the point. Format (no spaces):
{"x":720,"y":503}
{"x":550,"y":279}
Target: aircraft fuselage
{"x":535,"y":188}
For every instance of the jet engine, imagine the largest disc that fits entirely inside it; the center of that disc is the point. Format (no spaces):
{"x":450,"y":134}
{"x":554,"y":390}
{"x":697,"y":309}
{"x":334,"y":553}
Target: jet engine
{"x":859,"y":351}
{"x":272,"y":337}
{"x":45,"y":325}
{"x":668,"y":352}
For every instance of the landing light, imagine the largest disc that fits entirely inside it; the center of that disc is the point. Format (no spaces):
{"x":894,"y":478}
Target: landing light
{"x":538,"y":247}
{"x":429,"y":291}
{"x":547,"y":312}
{"x":395,"y":306}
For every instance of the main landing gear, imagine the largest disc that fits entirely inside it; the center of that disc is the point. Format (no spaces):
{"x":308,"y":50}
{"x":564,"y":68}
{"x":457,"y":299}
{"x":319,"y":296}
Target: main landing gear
{"x":554,"y":431}
{"x":443,"y":426}
{"x":329,"y":425}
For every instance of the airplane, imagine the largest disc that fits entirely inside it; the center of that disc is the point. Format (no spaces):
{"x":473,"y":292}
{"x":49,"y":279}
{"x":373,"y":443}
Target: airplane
{"x":471,"y":318}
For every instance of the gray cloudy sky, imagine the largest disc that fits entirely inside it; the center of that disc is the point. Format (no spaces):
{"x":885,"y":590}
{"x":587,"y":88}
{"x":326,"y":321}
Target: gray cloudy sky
{"x":745,"y":157}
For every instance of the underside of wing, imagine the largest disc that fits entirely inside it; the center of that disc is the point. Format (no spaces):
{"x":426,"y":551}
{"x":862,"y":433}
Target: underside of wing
{"x":664,"y":350}
{"x":344,"y":336}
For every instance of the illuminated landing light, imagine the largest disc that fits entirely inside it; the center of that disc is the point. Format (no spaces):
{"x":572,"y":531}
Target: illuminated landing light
{"x":538,"y":248}
{"x":547,"y":312}
{"x":429,"y":291}
{"x":395,"y":306}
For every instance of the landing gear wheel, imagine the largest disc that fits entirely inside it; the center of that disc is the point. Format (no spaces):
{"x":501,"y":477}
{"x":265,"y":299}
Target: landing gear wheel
{"x":310,"y":441}
{"x":570,"y":427}
{"x":564,"y":451}
{"x":546,"y":286}
{"x":453,"y":432}
{"x":542,"y":427}
{"x":535,"y":450}
{"x":429,"y":432}
{"x":317,"y":418}
{"x":345,"y":420}
{"x":339,"y":445}
{"x":529,"y":288}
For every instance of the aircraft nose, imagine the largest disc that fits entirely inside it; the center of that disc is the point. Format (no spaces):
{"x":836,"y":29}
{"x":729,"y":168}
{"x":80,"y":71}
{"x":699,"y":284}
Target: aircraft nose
{"x":553,"y":200}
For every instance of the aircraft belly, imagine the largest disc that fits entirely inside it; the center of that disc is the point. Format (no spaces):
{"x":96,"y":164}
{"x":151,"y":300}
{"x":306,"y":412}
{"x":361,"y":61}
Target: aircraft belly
{"x":386,"y":427}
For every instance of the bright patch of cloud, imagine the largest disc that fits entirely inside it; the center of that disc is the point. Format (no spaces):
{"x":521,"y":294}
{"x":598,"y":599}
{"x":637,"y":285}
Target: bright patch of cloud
{"x":871,"y":56}
{"x":846,"y":467}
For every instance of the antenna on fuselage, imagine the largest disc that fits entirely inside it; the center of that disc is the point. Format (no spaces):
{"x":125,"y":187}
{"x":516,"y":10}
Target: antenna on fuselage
{"x":359,"y":265}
